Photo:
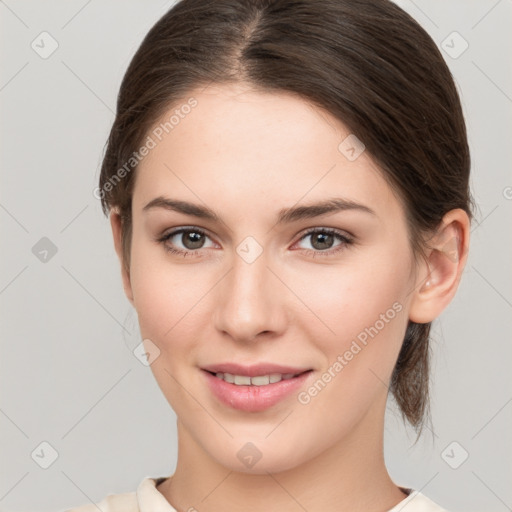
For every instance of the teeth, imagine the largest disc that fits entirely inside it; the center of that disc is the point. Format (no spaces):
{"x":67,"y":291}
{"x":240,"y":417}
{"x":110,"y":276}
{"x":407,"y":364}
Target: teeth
{"x":242,"y":380}
{"x":260,"y":380}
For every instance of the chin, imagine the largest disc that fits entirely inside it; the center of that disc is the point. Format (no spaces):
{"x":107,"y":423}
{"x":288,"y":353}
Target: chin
{"x":274,"y":464}
{"x":252,"y":456}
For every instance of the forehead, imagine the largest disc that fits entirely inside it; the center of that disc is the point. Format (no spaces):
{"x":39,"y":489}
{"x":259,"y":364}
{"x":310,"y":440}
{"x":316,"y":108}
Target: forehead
{"x":253,"y":149}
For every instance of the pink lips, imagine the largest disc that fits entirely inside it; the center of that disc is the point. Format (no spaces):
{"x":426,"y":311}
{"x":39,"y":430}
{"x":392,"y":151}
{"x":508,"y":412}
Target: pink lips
{"x":250,"y":398}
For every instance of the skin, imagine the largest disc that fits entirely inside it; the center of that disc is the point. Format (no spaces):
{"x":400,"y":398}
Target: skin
{"x":246,"y":155}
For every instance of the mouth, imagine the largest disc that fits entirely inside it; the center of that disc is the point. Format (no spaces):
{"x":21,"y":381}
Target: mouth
{"x":258,"y":380}
{"x":254,"y":393}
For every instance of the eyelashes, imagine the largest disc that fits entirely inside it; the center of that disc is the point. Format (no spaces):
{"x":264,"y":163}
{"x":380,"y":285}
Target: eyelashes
{"x":323,"y":236}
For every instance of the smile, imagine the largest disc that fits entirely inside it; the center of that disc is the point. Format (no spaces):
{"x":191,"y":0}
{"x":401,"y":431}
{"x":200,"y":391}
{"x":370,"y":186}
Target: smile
{"x":254,"y":394}
{"x":259,"y":380}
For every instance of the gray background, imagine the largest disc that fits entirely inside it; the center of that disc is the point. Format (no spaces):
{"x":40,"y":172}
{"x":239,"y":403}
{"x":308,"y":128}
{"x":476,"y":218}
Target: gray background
{"x":68,"y":376}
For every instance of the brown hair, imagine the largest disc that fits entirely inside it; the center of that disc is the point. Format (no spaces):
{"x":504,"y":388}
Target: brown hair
{"x":366,"y":62}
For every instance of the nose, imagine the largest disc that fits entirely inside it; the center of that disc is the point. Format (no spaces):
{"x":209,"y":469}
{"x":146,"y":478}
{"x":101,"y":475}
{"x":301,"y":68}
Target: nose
{"x":250,"y":302}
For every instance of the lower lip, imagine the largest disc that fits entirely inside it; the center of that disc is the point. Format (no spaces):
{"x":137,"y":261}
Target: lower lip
{"x":254,"y":398}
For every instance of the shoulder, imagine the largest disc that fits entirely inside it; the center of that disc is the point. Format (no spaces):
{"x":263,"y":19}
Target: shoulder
{"x":146,"y":497}
{"x":417,"y":502}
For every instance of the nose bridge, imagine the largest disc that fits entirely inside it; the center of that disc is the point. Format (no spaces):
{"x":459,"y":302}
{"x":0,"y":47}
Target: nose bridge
{"x":246,"y":305}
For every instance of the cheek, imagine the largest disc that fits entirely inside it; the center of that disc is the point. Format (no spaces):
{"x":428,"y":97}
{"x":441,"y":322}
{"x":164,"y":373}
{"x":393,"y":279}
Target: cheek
{"x":167,"y":297}
{"x":365,"y":308}
{"x":170,"y":304}
{"x":347,"y":299}
{"x":367,"y":313}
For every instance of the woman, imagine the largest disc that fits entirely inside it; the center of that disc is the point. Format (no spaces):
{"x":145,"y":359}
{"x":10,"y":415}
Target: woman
{"x":287,"y":184}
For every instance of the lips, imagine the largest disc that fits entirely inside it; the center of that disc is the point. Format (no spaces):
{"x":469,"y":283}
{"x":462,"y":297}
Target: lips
{"x":233,"y":392}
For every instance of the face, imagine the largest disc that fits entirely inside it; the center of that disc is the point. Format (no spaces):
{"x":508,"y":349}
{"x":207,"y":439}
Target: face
{"x":265,"y":280}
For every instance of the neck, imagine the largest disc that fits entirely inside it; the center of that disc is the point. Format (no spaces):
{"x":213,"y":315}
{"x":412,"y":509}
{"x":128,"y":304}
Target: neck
{"x":349,"y":476}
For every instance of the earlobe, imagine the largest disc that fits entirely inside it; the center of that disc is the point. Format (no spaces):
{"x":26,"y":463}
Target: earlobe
{"x":116,"y":224}
{"x":439,"y":275}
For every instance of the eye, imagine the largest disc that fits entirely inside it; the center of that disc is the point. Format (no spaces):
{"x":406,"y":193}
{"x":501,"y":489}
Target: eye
{"x":187,"y":241}
{"x":184,"y":241}
{"x":322,"y":241}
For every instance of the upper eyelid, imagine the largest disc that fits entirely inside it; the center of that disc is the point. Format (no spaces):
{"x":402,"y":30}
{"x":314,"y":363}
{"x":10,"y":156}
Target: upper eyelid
{"x":335,"y":231}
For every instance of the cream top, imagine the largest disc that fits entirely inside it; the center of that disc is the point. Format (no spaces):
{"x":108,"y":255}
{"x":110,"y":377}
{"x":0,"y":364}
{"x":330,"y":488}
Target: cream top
{"x":147,"y":498}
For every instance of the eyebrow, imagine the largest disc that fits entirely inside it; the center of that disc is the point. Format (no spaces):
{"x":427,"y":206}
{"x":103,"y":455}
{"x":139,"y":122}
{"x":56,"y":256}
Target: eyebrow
{"x":285,"y":215}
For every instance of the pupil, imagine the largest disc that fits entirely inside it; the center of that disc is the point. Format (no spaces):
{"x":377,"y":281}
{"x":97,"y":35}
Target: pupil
{"x":192,"y":240}
{"x":324,"y":239}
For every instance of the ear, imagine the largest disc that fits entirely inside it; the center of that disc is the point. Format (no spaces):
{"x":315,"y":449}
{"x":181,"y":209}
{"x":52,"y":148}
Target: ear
{"x":439,"y":275}
{"x":116,"y":224}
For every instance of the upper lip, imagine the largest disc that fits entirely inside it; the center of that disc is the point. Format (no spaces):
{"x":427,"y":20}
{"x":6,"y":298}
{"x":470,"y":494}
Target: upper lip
{"x":253,"y":370}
